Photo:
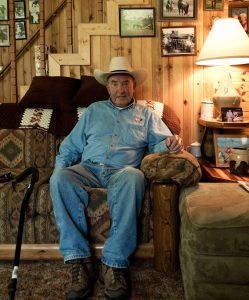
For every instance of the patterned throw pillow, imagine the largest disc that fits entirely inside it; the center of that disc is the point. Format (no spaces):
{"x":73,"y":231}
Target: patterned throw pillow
{"x":12,"y":148}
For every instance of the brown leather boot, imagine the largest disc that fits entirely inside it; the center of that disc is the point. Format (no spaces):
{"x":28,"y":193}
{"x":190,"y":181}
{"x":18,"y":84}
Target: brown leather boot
{"x":83,"y":277}
{"x":116,"y":282}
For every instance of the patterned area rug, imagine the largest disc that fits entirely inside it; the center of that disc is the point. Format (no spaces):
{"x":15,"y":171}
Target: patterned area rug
{"x":49,"y":280}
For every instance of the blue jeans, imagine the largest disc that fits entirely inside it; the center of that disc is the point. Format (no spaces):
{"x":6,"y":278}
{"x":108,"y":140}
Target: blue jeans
{"x":125,"y":190}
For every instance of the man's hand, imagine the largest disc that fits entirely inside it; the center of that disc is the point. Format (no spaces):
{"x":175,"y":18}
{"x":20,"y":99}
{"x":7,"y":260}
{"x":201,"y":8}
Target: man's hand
{"x":174,"y":144}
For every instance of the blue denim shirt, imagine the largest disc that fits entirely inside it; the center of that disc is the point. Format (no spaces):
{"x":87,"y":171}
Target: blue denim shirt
{"x":116,"y":137}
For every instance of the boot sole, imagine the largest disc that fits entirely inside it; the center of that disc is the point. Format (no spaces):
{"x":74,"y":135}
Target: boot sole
{"x":85,"y":296}
{"x":123,"y":297}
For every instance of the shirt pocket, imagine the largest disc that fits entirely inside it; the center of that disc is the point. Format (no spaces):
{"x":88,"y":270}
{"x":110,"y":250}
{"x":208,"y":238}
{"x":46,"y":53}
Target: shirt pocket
{"x":135,"y":135}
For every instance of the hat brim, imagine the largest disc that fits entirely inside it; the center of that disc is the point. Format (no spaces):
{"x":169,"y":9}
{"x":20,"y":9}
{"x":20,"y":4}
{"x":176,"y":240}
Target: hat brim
{"x":139,"y":75}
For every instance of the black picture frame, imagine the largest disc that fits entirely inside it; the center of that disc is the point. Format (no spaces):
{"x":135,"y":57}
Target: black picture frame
{"x":171,"y":10}
{"x":4,"y":35}
{"x":137,"y":22}
{"x":178,"y":40}
{"x":34,"y":12}
{"x":232,"y":114}
{"x":20,"y":30}
{"x":20,"y":10}
{"x":4,"y":10}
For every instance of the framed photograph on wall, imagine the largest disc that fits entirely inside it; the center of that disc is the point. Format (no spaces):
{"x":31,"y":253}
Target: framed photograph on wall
{"x":4,"y":10}
{"x":240,"y":13}
{"x":20,"y":10}
{"x":137,"y":22}
{"x":223,"y":143}
{"x":213,"y":4}
{"x":4,"y":35}
{"x":20,"y":29}
{"x":178,"y":40}
{"x":34,"y":12}
{"x":177,"y":10}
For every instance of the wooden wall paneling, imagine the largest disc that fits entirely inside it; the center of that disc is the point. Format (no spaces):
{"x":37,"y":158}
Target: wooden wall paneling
{"x":84,"y":33}
{"x":177,"y":100}
{"x":13,"y":70}
{"x":55,"y":30}
{"x":2,"y":60}
{"x":94,"y":14}
{"x":70,"y":71}
{"x":135,"y":60}
{"x":63,"y":45}
{"x":116,"y":45}
{"x":126,"y":44}
{"x":96,"y":51}
{"x":198,"y":76}
{"x":147,"y":63}
{"x":100,"y":11}
{"x":106,"y":50}
{"x":6,"y":88}
{"x":48,"y":31}
{"x":5,"y":94}
{"x":42,"y":36}
{"x":163,"y":81}
{"x":189,"y":118}
{"x":159,"y":82}
{"x":78,"y":16}
{"x":104,"y":6}
{"x":69,"y":35}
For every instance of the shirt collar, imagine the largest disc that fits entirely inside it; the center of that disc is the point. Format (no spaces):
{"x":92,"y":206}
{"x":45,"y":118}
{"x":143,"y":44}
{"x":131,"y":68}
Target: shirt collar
{"x":131,"y":105}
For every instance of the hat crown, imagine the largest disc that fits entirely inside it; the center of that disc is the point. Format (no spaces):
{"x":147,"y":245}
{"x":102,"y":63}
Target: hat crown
{"x":119,"y":63}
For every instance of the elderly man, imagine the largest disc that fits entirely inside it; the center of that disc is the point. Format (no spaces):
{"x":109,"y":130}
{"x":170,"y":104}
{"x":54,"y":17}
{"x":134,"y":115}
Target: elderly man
{"x":105,"y":149}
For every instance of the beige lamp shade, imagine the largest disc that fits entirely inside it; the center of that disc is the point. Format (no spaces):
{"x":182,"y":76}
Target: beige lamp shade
{"x":227,"y":44}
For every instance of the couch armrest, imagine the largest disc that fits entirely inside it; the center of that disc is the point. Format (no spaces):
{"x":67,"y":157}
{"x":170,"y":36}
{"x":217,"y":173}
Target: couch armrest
{"x":182,"y":168}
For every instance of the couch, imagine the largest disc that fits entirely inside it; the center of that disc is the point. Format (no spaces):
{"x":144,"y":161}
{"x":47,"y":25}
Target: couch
{"x":30,"y":134}
{"x":214,"y":241}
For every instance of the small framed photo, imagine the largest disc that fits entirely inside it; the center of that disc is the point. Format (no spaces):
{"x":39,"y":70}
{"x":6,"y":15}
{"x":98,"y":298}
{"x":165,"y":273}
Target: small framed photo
{"x":178,"y":40}
{"x":240,"y":13}
{"x":34,"y":12}
{"x":137,"y":22}
{"x":177,"y":10}
{"x":20,"y":10}
{"x":4,"y":35}
{"x":20,"y":30}
{"x":232,"y":114}
{"x":4,"y":10}
{"x":213,"y":4}
{"x":223,"y":144}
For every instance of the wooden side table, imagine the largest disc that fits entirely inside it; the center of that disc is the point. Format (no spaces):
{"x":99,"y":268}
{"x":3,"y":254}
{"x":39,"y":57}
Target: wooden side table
{"x":214,"y":174}
{"x":212,"y":127}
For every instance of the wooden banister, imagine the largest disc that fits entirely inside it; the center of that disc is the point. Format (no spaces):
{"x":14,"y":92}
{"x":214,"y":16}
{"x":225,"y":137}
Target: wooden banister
{"x":36,"y":34}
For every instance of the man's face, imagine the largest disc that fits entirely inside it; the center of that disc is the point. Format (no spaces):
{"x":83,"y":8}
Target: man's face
{"x":121,"y":88}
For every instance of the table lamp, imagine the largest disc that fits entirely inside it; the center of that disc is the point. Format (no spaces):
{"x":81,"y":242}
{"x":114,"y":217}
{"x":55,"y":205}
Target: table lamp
{"x":227,"y":44}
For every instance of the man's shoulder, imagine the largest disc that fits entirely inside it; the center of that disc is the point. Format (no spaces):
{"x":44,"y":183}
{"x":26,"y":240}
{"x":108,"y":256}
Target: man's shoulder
{"x":151,"y":107}
{"x":99,"y":103}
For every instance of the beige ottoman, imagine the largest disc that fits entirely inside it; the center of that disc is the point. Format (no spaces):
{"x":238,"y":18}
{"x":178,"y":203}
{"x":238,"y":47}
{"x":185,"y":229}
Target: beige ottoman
{"x":214,"y":241}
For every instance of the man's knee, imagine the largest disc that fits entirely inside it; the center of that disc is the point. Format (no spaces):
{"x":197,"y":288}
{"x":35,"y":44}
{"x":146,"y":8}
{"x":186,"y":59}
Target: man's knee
{"x":59,"y":176}
{"x":134,"y":175}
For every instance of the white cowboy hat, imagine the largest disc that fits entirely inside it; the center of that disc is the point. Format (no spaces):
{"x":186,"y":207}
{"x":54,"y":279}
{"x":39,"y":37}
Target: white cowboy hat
{"x":120,"y":65}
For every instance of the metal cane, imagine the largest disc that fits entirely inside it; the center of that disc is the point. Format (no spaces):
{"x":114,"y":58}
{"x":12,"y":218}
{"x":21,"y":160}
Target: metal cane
{"x":19,"y":178}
